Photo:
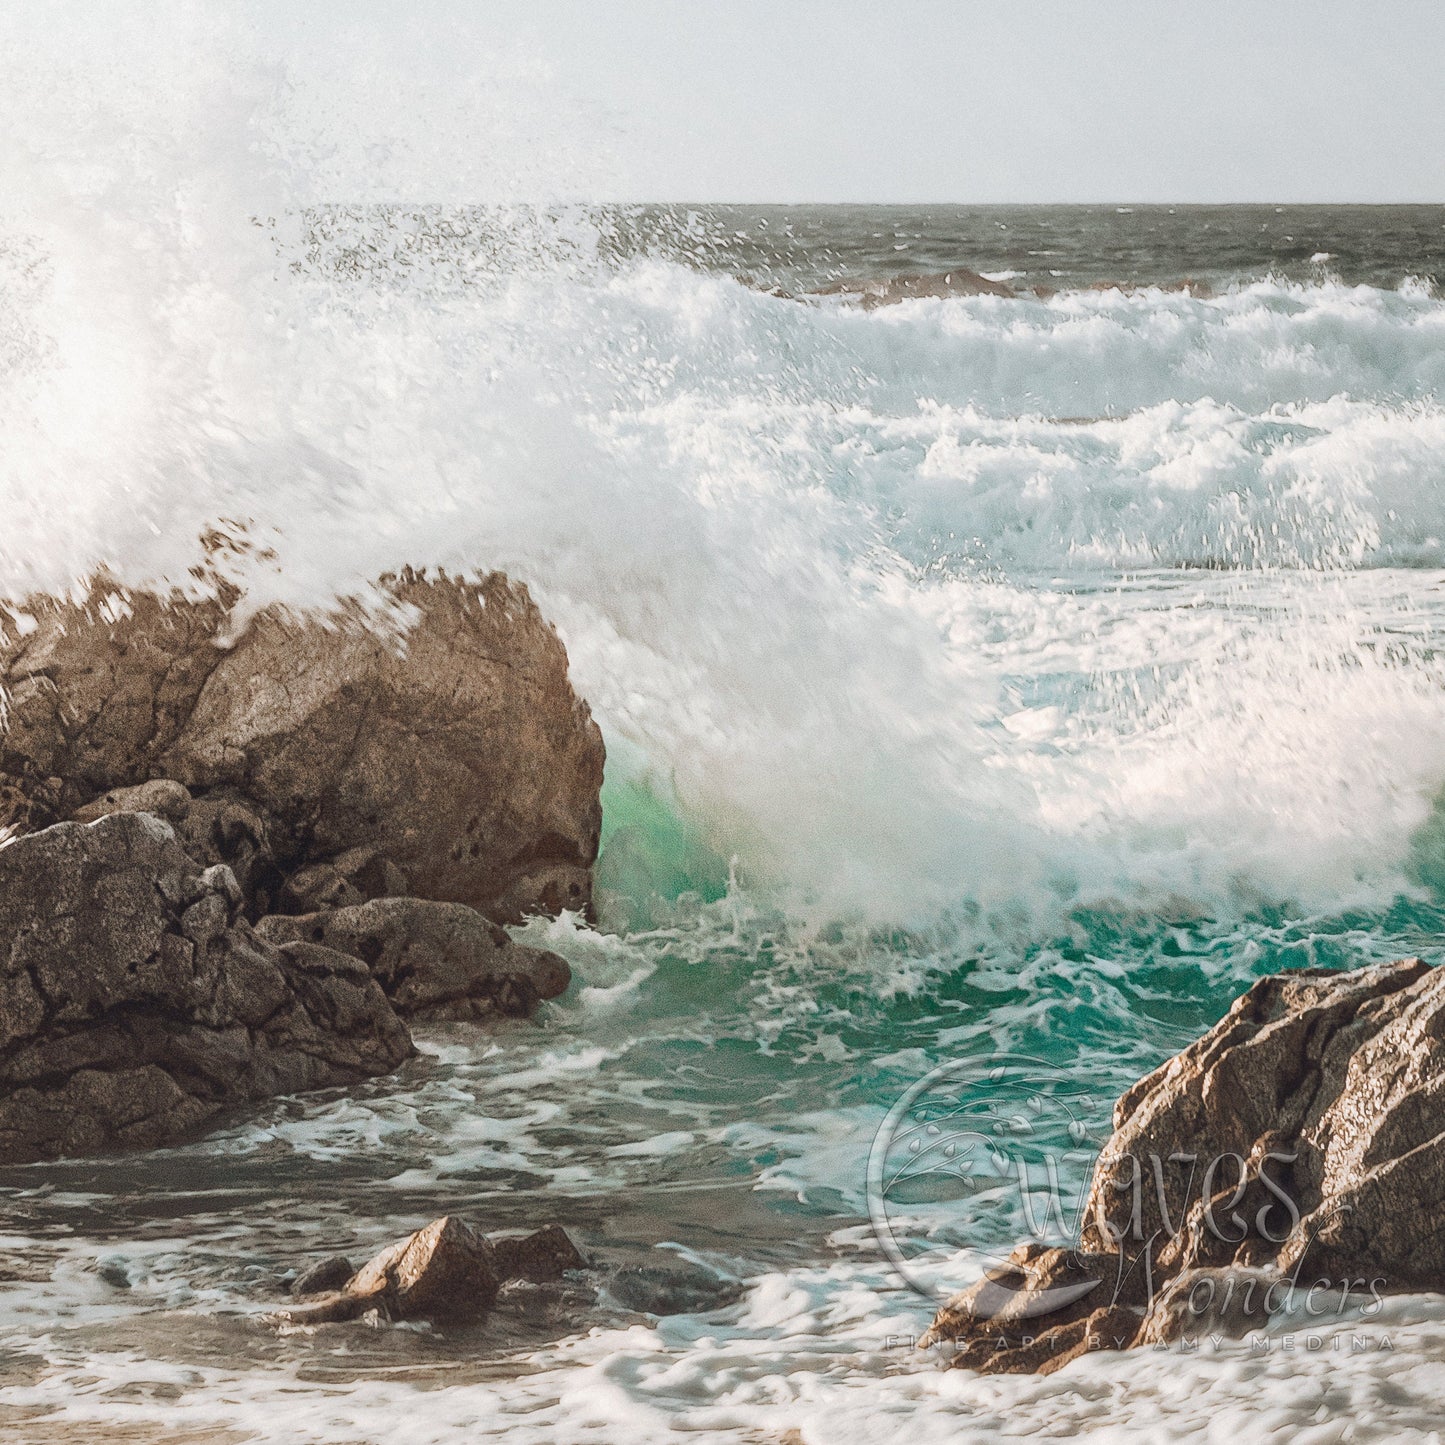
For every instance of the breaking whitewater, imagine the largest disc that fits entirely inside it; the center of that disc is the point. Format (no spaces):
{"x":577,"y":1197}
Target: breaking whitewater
{"x":979,"y":673}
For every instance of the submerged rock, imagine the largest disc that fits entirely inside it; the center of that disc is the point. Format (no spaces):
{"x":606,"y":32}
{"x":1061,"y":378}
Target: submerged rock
{"x":434,"y":960}
{"x":1292,"y":1156}
{"x":457,"y":754}
{"x":542,"y":1257}
{"x":675,"y":1289}
{"x":136,"y":1003}
{"x":448,"y":1272}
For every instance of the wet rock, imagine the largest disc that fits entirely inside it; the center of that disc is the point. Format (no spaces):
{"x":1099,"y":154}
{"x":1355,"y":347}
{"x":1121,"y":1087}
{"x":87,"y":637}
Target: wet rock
{"x":1291,"y":1155}
{"x":445,"y":1271}
{"x":448,"y":1272}
{"x":136,"y":1003}
{"x":1041,"y":1305}
{"x":326,"y":1276}
{"x":456,"y":752}
{"x":541,"y":1257}
{"x":548,"y":1304}
{"x":1320,"y":1089}
{"x":434,"y":960}
{"x":681,"y":1289}
{"x":1228,"y":1303}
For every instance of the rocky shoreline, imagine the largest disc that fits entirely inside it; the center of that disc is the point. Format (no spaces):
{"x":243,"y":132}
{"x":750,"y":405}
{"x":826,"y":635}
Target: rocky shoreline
{"x":238,"y":860}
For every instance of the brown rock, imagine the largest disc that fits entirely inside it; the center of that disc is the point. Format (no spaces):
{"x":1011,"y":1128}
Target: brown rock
{"x":97,"y":692}
{"x":463,"y":757}
{"x":1293,"y":1153}
{"x":542,"y":1257}
{"x":1039,"y":1289}
{"x":136,"y":1003}
{"x":446,"y":1271}
{"x":1324,"y":1084}
{"x":326,"y":1276}
{"x":434,"y":960}
{"x":1112,"y":1328}
{"x":164,"y":797}
{"x":457,"y":753}
{"x":1229,"y":1302}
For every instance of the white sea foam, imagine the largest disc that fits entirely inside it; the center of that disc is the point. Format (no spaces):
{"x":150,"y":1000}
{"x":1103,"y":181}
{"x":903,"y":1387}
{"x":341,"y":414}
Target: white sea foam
{"x":758,"y":524}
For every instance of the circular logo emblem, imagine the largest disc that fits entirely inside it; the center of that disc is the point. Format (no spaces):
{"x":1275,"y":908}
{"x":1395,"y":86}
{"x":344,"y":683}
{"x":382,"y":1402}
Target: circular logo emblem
{"x":987,"y":1153}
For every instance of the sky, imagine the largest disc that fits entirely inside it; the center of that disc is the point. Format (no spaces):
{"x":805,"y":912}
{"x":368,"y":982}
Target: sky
{"x":960,"y":100}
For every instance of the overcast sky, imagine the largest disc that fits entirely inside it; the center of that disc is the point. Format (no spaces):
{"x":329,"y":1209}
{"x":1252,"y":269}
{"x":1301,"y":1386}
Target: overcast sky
{"x":973,"y":100}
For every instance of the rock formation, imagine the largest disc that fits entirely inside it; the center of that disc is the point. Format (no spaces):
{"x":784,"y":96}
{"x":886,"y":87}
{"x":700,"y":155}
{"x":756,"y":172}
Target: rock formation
{"x":136,"y":1002}
{"x":164,"y":787}
{"x":1293,"y":1154}
{"x":433,"y":960}
{"x":447,"y":1271}
{"x":452,"y":762}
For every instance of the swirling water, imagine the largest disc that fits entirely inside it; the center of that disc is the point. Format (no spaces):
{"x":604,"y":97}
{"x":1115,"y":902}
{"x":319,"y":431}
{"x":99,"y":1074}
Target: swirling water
{"x":978,"y":674}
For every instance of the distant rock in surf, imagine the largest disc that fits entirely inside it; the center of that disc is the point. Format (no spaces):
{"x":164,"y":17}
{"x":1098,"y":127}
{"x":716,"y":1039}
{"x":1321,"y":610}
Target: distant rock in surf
{"x":136,"y":1002}
{"x":893,"y":289}
{"x":1294,"y":1156}
{"x":327,"y":763}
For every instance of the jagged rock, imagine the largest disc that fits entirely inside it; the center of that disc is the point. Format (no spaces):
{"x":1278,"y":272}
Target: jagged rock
{"x":136,"y":1002}
{"x":164,"y":797}
{"x":458,"y":752}
{"x":97,"y":693}
{"x":447,"y":1271}
{"x":542,"y":1257}
{"x":1329,"y":1086}
{"x":1294,"y":1153}
{"x":348,"y":879}
{"x":434,"y":960}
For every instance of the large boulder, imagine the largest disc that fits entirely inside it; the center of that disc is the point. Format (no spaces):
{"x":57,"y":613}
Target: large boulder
{"x":451,"y":761}
{"x":1293,"y":1157}
{"x":433,"y":960}
{"x":136,"y":1003}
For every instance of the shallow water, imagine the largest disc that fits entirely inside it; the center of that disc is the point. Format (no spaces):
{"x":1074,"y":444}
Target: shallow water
{"x":980,"y":677}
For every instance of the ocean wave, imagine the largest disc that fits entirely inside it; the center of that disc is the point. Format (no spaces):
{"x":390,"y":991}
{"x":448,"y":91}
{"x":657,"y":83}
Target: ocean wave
{"x":847,"y":588}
